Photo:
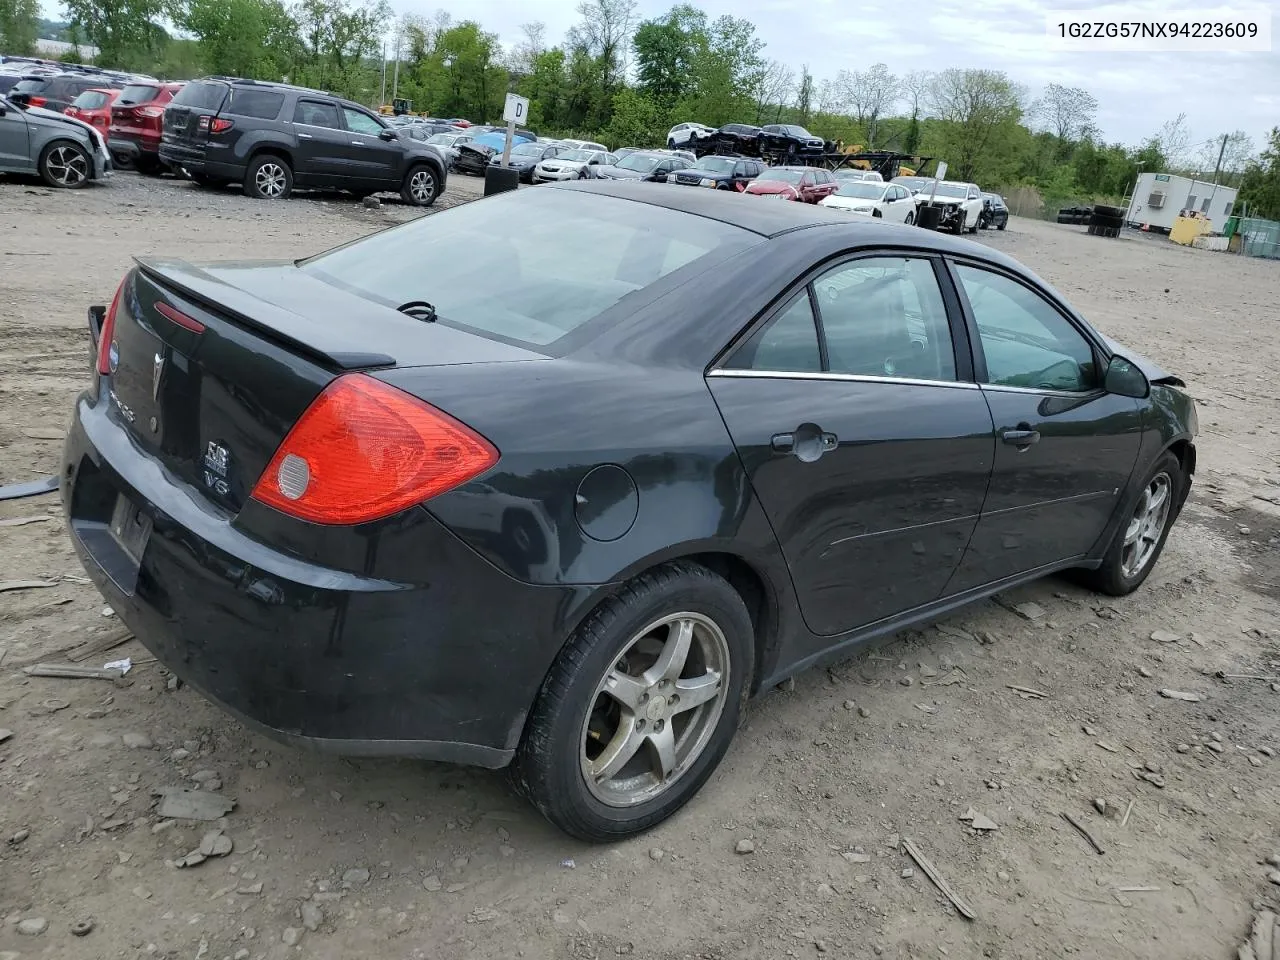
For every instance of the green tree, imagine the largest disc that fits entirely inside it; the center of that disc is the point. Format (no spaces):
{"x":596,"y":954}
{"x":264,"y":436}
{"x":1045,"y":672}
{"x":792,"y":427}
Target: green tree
{"x":19,"y":26}
{"x":1260,"y":185}
{"x":338,"y":40}
{"x":243,"y":38}
{"x":636,"y":120}
{"x":667,"y":50}
{"x":126,"y":32}
{"x":975,"y":105}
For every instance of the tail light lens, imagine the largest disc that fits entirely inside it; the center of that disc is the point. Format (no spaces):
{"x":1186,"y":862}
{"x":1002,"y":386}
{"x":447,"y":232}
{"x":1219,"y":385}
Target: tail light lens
{"x":109,"y":331}
{"x":365,"y":450}
{"x":35,"y":101}
{"x":218,"y":125}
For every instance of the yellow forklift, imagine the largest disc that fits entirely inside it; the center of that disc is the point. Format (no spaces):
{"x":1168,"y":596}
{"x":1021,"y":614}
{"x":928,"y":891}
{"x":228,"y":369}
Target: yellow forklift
{"x":398,"y":107}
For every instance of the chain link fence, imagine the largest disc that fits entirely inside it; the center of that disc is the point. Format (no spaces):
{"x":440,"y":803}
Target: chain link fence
{"x":1259,"y":238}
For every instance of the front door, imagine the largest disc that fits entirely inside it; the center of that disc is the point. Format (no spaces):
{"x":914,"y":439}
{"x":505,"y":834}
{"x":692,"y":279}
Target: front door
{"x":373,"y":160}
{"x":1065,"y":447}
{"x":866,"y":443}
{"x":323,"y":155}
{"x":15,"y":146}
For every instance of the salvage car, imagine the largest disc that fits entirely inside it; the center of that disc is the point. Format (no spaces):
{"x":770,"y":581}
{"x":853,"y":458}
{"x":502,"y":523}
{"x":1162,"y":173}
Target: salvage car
{"x":61,"y":150}
{"x":720,"y":173}
{"x":621,"y":459}
{"x":882,"y":201}
{"x":526,"y":156}
{"x":474,"y":154}
{"x":853,"y":173}
{"x":959,"y":204}
{"x":995,"y":213}
{"x":915,"y":184}
{"x":137,"y":125}
{"x":446,"y":143}
{"x":790,"y":139}
{"x":805,"y":184}
{"x":571,"y":164}
{"x":641,"y":165}
{"x":733,"y":138}
{"x":94,"y":107}
{"x":687,"y":135}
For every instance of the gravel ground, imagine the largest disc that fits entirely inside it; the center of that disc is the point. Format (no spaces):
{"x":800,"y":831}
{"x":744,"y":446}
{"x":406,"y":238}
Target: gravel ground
{"x":334,"y":858}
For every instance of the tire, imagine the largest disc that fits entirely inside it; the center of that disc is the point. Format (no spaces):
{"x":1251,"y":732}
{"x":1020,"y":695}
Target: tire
{"x":1108,"y":211}
{"x":671,"y":144}
{"x":1118,"y":577}
{"x":973,"y":229}
{"x":961,"y":225}
{"x":421,"y":186}
{"x":65,"y":165}
{"x":268,"y":178}
{"x":1002,"y":224}
{"x":911,"y":219}
{"x":572,"y":714}
{"x":875,"y":212}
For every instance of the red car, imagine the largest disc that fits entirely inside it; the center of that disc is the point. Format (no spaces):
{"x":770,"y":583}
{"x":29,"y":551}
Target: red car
{"x":807,"y":184}
{"x":94,"y":108}
{"x":136,"y":120}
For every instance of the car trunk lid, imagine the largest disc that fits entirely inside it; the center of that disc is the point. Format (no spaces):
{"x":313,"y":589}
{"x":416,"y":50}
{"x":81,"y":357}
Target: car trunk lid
{"x":212,"y":366}
{"x":188,"y":115}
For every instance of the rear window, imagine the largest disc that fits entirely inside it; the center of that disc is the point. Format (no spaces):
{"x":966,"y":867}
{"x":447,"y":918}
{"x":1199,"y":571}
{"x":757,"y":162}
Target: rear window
{"x":136,"y":93}
{"x":30,"y":86}
{"x":262,"y":104}
{"x":202,"y":95}
{"x":91,"y":100}
{"x":528,"y":267}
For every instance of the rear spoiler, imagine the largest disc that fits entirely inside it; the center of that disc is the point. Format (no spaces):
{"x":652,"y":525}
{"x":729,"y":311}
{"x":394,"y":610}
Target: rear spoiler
{"x":266,"y":319}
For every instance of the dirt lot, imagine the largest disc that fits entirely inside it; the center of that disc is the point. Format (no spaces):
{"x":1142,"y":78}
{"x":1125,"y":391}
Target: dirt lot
{"x":406,"y":860}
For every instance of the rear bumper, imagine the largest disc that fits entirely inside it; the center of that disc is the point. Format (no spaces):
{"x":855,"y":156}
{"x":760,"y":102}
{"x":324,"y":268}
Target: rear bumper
{"x":131,"y":146}
{"x":444,"y":667}
{"x":197,"y":160}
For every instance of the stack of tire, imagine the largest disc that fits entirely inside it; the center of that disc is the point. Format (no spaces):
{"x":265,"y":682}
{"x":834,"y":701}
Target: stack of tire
{"x":1106,"y":221}
{"x":1076,"y":216}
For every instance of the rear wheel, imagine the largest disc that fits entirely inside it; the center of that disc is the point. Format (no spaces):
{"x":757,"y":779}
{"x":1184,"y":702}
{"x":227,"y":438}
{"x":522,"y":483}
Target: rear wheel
{"x":1140,"y":540}
{"x":640,"y":706}
{"x":65,"y":164}
{"x":419,"y":188}
{"x":1002,"y":224}
{"x":268,"y":178}
{"x":911,"y":218}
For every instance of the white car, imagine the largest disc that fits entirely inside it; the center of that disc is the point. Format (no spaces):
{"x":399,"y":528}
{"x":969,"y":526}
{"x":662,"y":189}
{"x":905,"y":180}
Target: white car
{"x":867,"y":198}
{"x":959,"y":204}
{"x":582,"y":145}
{"x":852,"y":173}
{"x":574,"y":165}
{"x":687,"y":134}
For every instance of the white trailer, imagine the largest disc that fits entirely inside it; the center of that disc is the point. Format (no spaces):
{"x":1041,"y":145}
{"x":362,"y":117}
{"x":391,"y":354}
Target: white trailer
{"x":1160,"y":198}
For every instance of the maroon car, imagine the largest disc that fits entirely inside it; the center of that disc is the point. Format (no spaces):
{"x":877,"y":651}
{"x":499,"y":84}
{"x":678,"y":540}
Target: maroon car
{"x":136,"y":120}
{"x":806,"y":184}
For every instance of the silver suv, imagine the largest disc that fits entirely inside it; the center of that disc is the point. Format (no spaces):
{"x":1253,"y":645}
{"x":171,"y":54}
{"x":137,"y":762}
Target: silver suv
{"x":63,"y":151}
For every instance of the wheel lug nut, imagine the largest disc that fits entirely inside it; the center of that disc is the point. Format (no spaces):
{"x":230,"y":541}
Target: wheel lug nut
{"x":640,"y":724}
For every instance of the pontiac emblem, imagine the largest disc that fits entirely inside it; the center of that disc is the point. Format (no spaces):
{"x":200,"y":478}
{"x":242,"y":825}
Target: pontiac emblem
{"x":157,"y":373}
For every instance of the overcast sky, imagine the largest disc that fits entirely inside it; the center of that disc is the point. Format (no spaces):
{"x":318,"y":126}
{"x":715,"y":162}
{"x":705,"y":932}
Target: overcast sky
{"x":1136,"y":92}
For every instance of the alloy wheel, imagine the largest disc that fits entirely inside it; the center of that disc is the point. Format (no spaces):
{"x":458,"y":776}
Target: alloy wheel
{"x":655,"y":710}
{"x":270,"y":180}
{"x":422,"y":185}
{"x":1146,"y":525}
{"x":67,"y":165}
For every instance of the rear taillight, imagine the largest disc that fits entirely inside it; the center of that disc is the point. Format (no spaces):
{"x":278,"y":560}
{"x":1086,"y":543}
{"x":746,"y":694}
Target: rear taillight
{"x":365,"y":450}
{"x":36,"y":101}
{"x":218,"y":125}
{"x":108,"y":331}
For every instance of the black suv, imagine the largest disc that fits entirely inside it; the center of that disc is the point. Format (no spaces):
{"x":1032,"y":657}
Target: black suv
{"x":995,"y":213}
{"x":57,"y":92}
{"x":270,"y":136}
{"x":721,"y":173}
{"x":733,"y":138}
{"x":790,"y":139}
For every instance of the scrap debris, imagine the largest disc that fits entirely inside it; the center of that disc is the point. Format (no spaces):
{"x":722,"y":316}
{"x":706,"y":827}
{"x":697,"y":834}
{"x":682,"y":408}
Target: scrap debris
{"x":179,"y":803}
{"x":1180,"y":695}
{"x":69,"y":671}
{"x":931,"y":872}
{"x":978,"y":821}
{"x":95,"y":645}
{"x":23,"y":521}
{"x":953,"y":676}
{"x":1083,"y":832}
{"x":7,"y":585}
{"x":1027,"y":693}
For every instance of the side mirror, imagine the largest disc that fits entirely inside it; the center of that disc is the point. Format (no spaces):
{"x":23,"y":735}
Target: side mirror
{"x":20,"y":100}
{"x":387,"y":135}
{"x":1126,"y":380}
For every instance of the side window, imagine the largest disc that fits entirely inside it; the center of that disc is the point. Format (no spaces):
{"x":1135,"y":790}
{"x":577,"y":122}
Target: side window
{"x":260,"y":104}
{"x":807,"y":180}
{"x":1026,"y":342}
{"x":740,"y":169}
{"x":788,"y":343}
{"x":358,"y":122}
{"x":885,"y":317}
{"x":317,"y":114}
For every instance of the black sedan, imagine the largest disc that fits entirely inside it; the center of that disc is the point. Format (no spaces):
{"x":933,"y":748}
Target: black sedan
{"x":995,"y":212}
{"x":492,"y":487}
{"x":526,"y":156}
{"x":652,"y":167}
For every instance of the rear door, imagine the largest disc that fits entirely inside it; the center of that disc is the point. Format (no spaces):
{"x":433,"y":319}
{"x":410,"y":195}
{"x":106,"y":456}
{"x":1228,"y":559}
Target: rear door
{"x":1065,"y":446}
{"x":325,"y":155}
{"x":865,"y":439}
{"x":186,"y":118}
{"x":15,"y":144}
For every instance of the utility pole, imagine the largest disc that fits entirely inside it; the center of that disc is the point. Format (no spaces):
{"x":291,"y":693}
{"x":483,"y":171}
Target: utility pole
{"x":1221,"y":152}
{"x":395,"y":80}
{"x":382,"y":98}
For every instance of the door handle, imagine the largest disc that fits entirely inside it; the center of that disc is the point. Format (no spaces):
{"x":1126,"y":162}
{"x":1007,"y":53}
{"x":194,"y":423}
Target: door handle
{"x":305,"y":136}
{"x":1022,"y":437}
{"x":357,"y":143}
{"x":807,"y":442}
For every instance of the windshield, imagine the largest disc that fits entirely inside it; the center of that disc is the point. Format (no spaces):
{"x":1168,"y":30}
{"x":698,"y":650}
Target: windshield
{"x":91,"y":100}
{"x":577,"y":156}
{"x":781,"y":176}
{"x":202,"y":95}
{"x":137,"y":93}
{"x":638,"y":162}
{"x":714,"y":165}
{"x":913,"y":183}
{"x":528,"y":266}
{"x":527,"y":150}
{"x":952,"y":190}
{"x":861,"y":189}
{"x":798,"y":131}
{"x":447,"y":139}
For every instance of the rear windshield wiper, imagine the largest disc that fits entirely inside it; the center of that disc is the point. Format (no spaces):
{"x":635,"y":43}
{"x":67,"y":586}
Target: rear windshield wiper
{"x":419,"y":310}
